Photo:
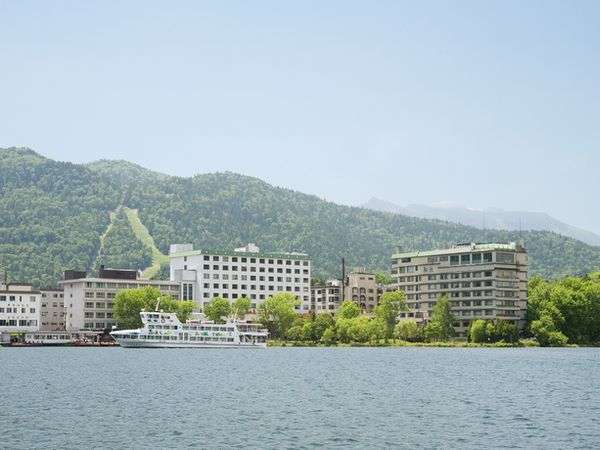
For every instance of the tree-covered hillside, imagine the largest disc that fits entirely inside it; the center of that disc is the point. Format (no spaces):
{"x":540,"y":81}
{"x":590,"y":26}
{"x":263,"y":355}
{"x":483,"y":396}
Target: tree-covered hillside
{"x":52,"y":215}
{"x":121,"y":248}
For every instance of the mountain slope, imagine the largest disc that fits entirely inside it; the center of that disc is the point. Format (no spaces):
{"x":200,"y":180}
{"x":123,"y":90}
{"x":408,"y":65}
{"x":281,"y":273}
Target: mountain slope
{"x":497,"y":219}
{"x":52,"y":215}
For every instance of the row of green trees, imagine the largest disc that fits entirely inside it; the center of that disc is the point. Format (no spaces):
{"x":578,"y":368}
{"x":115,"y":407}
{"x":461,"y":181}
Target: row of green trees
{"x":560,"y":312}
{"x":350,"y":325}
{"x":279,"y":315}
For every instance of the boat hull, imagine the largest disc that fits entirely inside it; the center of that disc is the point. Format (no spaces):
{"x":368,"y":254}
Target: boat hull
{"x":134,"y":343}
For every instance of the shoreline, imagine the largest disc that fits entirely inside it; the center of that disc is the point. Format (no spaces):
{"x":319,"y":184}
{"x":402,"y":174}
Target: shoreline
{"x":450,"y":344}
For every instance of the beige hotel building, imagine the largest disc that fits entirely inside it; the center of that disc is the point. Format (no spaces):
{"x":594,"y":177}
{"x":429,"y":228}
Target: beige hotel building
{"x":482,"y":281}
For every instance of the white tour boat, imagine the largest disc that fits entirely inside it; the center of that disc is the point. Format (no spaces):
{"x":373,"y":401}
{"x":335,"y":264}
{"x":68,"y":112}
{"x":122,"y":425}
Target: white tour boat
{"x":161,"y":329}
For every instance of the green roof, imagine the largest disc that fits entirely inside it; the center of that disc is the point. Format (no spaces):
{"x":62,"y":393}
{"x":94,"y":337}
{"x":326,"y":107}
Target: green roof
{"x":302,"y":256}
{"x":462,"y":248}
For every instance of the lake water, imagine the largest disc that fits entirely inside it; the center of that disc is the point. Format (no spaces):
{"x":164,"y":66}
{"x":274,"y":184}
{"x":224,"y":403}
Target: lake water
{"x":299,"y":398}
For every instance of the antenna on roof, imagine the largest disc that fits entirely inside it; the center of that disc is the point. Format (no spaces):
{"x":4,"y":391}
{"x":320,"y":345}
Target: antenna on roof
{"x":343,"y":275}
{"x":521,"y":230}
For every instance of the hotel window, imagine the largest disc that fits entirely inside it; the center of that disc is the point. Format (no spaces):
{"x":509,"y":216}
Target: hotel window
{"x":188,"y":291}
{"x":454,"y":260}
{"x":505,"y":258}
{"x":487,"y":257}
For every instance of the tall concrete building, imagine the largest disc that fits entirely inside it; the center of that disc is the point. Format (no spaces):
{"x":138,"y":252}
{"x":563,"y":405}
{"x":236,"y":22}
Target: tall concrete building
{"x":53,"y":311}
{"x":243,"y":272}
{"x":20,"y":309}
{"x":324,"y":297}
{"x":482,"y":281}
{"x":89,"y":300}
{"x":360,"y":286}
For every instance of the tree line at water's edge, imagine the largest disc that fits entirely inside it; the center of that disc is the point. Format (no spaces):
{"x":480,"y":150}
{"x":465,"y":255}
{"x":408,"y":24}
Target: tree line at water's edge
{"x":53,"y":216}
{"x":559,"y":312}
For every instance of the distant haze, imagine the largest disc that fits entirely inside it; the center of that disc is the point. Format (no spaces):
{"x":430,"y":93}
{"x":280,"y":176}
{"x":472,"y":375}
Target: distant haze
{"x":483,"y":103}
{"x":491,"y":218}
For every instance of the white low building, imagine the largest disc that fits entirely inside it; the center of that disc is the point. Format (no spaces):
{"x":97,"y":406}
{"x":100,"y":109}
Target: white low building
{"x":20,"y":309}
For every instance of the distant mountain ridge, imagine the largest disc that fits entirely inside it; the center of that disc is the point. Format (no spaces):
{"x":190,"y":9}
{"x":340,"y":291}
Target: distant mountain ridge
{"x":494,"y":218}
{"x":59,"y":215}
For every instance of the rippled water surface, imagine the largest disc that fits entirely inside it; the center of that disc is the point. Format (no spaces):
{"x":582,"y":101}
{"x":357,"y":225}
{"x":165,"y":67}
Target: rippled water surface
{"x":299,"y":398}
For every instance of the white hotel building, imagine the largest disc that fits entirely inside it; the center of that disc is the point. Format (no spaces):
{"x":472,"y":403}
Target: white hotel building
{"x":244,"y":272}
{"x":20,"y":309}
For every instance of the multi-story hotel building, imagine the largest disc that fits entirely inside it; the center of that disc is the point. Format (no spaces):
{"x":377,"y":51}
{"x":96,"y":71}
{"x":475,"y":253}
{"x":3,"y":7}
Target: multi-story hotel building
{"x":53,"y":311}
{"x":243,"y":272}
{"x":89,"y":300}
{"x":362,"y":288}
{"x":324,"y":297}
{"x":20,"y":309}
{"x":482,"y":281}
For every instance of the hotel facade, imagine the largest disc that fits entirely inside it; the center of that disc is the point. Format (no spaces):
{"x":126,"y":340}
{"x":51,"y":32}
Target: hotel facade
{"x":360,"y":286}
{"x":53,"y":311}
{"x":482,"y":281}
{"x":88,"y":301}
{"x":20,"y":309}
{"x":243,"y":272}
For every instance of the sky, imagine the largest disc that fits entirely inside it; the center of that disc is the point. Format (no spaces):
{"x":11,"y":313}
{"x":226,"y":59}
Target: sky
{"x":486,"y":104}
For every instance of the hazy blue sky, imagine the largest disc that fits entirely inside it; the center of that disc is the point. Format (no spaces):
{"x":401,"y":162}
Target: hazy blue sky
{"x":482,"y":103}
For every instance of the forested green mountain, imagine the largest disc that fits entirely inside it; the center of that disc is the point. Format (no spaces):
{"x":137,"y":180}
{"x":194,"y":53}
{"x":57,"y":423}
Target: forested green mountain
{"x":121,"y":248}
{"x":53,"y":215}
